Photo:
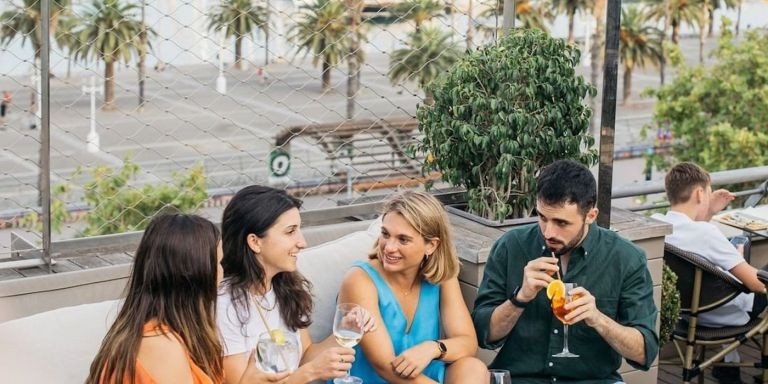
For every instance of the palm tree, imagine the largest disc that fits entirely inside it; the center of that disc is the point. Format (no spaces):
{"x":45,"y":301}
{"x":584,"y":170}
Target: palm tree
{"x":417,"y":11}
{"x":429,"y":53}
{"x":24,"y":20}
{"x":714,"y":5}
{"x":570,"y":7}
{"x":110,"y":31}
{"x":681,"y":11}
{"x":530,"y":15}
{"x":355,"y":56}
{"x":322,"y":31}
{"x":639,"y":44}
{"x":238,"y":18}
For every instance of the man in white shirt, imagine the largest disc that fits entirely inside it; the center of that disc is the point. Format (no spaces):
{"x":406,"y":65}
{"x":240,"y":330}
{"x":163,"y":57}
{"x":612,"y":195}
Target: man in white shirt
{"x":689,"y":191}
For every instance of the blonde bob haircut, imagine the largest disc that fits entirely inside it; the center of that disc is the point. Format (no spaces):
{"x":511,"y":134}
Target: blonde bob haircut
{"x":426,"y":215}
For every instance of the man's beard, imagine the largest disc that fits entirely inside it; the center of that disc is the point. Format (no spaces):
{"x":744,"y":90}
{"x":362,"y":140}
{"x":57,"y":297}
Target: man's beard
{"x":572,"y":244}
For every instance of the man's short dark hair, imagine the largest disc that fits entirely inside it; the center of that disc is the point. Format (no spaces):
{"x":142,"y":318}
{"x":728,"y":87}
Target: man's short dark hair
{"x":682,"y":179}
{"x":567,"y":182}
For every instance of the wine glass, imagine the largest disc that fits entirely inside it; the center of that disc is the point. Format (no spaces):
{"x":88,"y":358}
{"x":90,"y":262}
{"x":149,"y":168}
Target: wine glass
{"x":558,"y":308}
{"x":278,"y":351}
{"x":348,"y":330}
{"x":500,"y":376}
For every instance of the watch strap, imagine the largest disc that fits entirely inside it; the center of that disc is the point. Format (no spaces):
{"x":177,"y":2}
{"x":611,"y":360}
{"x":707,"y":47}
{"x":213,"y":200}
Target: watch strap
{"x":515,"y":302}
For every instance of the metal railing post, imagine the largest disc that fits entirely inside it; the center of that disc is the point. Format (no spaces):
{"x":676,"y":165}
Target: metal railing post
{"x":45,"y":128}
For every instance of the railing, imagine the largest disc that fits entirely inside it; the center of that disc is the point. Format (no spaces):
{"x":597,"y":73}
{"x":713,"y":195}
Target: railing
{"x":733,"y":176}
{"x":27,"y":255}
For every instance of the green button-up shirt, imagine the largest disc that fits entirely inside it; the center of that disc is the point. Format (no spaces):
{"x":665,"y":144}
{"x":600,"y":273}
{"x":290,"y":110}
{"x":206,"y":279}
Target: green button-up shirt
{"x":611,"y":268}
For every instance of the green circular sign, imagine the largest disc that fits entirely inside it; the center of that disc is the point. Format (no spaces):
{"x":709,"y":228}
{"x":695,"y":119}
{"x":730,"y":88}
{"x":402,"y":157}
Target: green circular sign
{"x":279,"y":162}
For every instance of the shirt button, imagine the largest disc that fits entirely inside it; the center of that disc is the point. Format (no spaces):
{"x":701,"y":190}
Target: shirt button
{"x":554,"y":379}
{"x":555,"y":331}
{"x":550,"y":364}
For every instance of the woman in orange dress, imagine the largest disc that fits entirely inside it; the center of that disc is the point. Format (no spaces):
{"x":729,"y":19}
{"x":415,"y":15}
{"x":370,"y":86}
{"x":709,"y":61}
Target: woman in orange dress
{"x":166,"y":329}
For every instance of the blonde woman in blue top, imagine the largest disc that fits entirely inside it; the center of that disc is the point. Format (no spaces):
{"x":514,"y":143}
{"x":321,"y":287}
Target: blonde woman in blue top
{"x":410,"y":284}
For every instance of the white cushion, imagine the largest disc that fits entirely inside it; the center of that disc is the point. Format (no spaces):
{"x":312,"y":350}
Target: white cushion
{"x":55,"y":346}
{"x":58,"y":346}
{"x":325,"y":266}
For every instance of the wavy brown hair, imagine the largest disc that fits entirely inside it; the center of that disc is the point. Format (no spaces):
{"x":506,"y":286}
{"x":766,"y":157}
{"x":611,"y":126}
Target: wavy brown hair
{"x":427,"y":216}
{"x":173,"y":281}
{"x":254,"y":210}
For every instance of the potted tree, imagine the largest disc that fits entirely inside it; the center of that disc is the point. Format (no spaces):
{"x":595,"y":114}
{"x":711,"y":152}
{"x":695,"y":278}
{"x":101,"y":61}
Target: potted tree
{"x":502,"y":113}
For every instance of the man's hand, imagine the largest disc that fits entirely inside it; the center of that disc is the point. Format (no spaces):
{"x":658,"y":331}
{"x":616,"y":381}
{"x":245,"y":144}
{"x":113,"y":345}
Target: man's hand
{"x":537,"y":275}
{"x":582,"y":308}
{"x":720,"y":199}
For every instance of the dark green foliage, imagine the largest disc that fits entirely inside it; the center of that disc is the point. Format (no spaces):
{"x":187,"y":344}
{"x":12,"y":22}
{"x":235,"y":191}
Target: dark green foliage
{"x":503,"y":112}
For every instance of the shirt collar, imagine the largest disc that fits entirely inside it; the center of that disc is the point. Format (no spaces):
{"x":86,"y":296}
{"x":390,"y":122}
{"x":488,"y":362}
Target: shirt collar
{"x":587,"y":246}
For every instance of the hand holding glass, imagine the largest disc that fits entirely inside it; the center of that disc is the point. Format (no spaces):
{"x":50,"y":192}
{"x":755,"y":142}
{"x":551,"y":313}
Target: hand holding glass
{"x":348,"y":330}
{"x":558,"y":308}
{"x":278,"y":351}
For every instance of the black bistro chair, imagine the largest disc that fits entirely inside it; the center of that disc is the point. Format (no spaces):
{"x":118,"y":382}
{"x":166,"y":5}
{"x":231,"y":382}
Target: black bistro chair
{"x":704,"y":287}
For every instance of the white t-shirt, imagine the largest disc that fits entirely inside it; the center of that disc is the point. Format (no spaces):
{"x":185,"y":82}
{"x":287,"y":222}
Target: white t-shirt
{"x":704,"y":239}
{"x":237,"y":338}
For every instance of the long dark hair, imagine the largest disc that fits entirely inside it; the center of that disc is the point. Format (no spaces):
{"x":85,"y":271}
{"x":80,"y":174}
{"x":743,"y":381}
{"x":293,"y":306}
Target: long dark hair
{"x":254,"y":209}
{"x":174,"y":282}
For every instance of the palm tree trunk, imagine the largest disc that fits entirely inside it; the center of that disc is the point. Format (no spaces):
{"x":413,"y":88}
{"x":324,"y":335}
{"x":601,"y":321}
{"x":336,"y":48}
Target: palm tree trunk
{"x":109,"y":84}
{"x":595,"y":62}
{"x":675,"y":32}
{"x":353,"y":77}
{"x":711,"y":22}
{"x":738,"y":18}
{"x":703,"y":18}
{"x":627,"y":85}
{"x":571,"y":17}
{"x":429,"y":98}
{"x":238,"y":52}
{"x":470,"y":27}
{"x":142,"y":55}
{"x":326,"y":75}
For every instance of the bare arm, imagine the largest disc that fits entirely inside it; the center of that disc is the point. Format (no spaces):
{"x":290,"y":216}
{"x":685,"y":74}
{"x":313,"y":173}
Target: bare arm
{"x":536,"y":275}
{"x":164,"y":358}
{"x":503,"y":320}
{"x":627,"y":341}
{"x":747,"y":274}
{"x":358,"y":288}
{"x":321,"y":361}
{"x":461,"y":340}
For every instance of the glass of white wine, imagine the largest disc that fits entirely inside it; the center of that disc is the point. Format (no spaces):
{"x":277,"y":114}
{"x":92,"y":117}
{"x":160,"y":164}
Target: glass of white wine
{"x":348,"y":330}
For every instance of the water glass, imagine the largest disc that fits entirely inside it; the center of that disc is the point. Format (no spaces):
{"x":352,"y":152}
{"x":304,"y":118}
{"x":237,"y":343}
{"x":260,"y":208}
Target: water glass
{"x":500,"y":376}
{"x":278,"y":355}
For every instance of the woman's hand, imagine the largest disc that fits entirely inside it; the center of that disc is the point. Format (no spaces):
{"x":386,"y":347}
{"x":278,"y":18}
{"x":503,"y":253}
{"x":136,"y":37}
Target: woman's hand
{"x":366,"y":320}
{"x":331,"y":363}
{"x":413,"y":360}
{"x":253,"y":374}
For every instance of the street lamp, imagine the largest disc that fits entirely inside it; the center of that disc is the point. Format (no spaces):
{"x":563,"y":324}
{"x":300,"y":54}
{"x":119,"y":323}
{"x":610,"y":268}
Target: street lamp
{"x":221,"y":81}
{"x":92,"y":140}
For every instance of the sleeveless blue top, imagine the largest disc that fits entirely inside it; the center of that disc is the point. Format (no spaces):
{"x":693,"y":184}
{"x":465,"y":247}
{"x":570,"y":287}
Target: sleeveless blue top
{"x":425,"y":326}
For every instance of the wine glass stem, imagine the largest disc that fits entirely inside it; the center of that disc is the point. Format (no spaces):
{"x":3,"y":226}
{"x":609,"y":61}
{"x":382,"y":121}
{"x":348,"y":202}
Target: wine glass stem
{"x":565,"y":335}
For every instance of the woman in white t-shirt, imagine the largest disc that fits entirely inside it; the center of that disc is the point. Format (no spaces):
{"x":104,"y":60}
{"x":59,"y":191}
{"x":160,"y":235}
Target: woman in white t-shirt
{"x":262,"y":290}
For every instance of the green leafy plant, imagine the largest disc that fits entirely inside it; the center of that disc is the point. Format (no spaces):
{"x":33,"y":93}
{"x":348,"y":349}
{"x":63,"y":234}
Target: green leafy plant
{"x":670,"y":305}
{"x":501,"y":114}
{"x":719,"y":114}
{"x":118,"y":206}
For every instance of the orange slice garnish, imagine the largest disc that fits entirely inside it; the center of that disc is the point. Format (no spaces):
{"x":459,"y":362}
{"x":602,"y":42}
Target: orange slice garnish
{"x":556,"y":288}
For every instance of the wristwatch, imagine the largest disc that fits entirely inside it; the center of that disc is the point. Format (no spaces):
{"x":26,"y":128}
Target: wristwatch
{"x":443,"y":349}
{"x":515,"y":302}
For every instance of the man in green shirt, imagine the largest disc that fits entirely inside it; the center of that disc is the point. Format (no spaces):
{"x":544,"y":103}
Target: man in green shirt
{"x":612,"y":315}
